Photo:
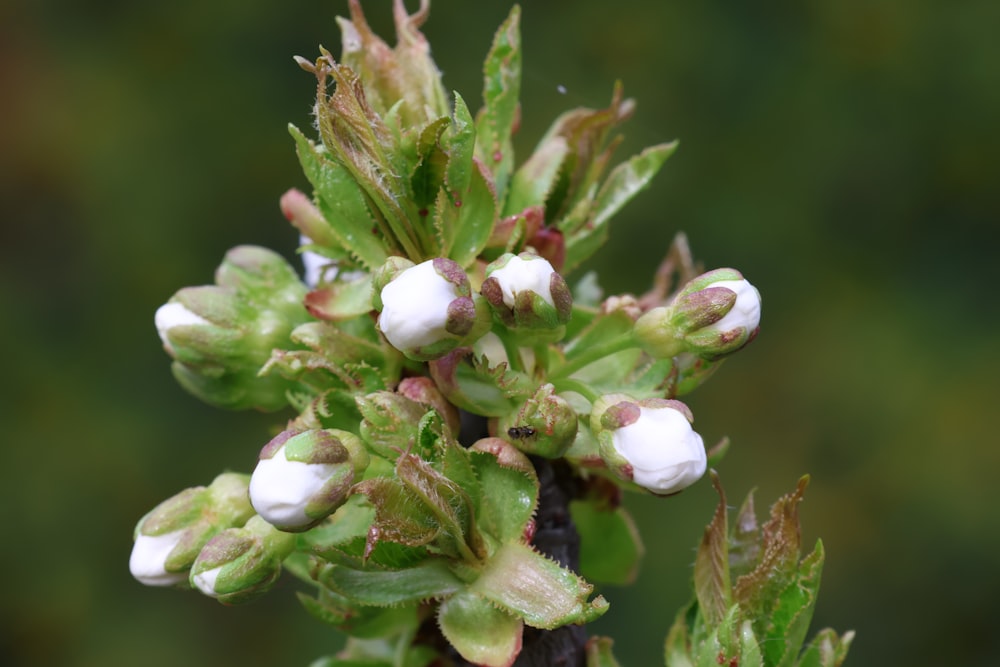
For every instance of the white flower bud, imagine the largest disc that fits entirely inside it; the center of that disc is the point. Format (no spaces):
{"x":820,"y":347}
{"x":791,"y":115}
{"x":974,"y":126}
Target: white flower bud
{"x":745,"y":313}
{"x":175,"y":314}
{"x":415,"y":307}
{"x":714,"y":315}
{"x":302,"y":478}
{"x":527,"y":294}
{"x":149,"y":556}
{"x":652,"y":444}
{"x":205,"y":581}
{"x":520,"y":275}
{"x":428,"y":310}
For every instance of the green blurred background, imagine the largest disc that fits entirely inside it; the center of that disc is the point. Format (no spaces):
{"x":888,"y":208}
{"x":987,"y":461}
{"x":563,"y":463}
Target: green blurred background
{"x":840,"y":153}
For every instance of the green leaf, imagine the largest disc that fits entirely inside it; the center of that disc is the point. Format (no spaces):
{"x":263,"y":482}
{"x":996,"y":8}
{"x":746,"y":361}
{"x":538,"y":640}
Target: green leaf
{"x":481,"y":633}
{"x":460,"y":143}
{"x":542,"y":592}
{"x":464,"y":219}
{"x":430,"y":579}
{"x":677,"y":649}
{"x":790,"y":618}
{"x":827,"y":649}
{"x":501,"y":92}
{"x":359,"y":621}
{"x":533,"y":181}
{"x":610,"y":546}
{"x":711,"y":565}
{"x":342,"y":202}
{"x":431,"y":161}
{"x":508,"y":500}
{"x":341,"y":300}
{"x":624,"y":182}
{"x":599,"y":652}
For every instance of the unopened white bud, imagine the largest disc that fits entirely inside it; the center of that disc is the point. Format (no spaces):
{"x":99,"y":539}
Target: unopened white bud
{"x":149,"y":556}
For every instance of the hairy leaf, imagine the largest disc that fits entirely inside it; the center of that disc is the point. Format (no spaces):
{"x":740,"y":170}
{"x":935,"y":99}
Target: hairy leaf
{"x":542,"y":592}
{"x":711,"y":565}
{"x":481,"y":633}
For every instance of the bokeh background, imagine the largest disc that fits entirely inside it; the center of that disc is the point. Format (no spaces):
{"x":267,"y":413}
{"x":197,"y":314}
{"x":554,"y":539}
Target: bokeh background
{"x":842,"y":153}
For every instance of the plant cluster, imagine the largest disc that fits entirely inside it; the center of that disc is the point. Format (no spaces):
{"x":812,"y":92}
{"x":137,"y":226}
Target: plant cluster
{"x":457,"y":403}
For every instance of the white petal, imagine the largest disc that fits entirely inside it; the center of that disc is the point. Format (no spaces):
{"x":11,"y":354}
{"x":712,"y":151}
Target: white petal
{"x":666,"y":454}
{"x":415,"y":307}
{"x":521,"y":275}
{"x":149,"y":554}
{"x":205,"y":581}
{"x":280,"y":489}
{"x":745,"y":312}
{"x":174,"y":314}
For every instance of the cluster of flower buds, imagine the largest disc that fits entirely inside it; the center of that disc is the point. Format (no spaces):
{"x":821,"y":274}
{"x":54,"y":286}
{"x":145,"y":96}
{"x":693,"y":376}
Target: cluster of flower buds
{"x":434,"y":287}
{"x":170,"y":537}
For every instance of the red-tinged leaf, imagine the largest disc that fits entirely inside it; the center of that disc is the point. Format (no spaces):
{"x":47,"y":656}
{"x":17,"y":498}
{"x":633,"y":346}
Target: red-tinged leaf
{"x":711,"y":565}
{"x":757,"y":591}
{"x":448,"y":503}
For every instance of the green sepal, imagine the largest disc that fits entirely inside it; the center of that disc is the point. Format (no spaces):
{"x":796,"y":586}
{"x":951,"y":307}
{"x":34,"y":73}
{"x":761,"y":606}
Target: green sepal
{"x":610,"y":545}
{"x":340,"y":198}
{"x":481,"y":633}
{"x":501,"y":92}
{"x":546,"y":595}
{"x":428,"y":580}
{"x":827,"y":649}
{"x":599,"y":652}
{"x":623,"y":183}
{"x":510,"y":499}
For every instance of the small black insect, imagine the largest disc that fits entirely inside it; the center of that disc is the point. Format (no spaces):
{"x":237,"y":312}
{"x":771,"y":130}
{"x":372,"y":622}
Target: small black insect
{"x":521,"y":432}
